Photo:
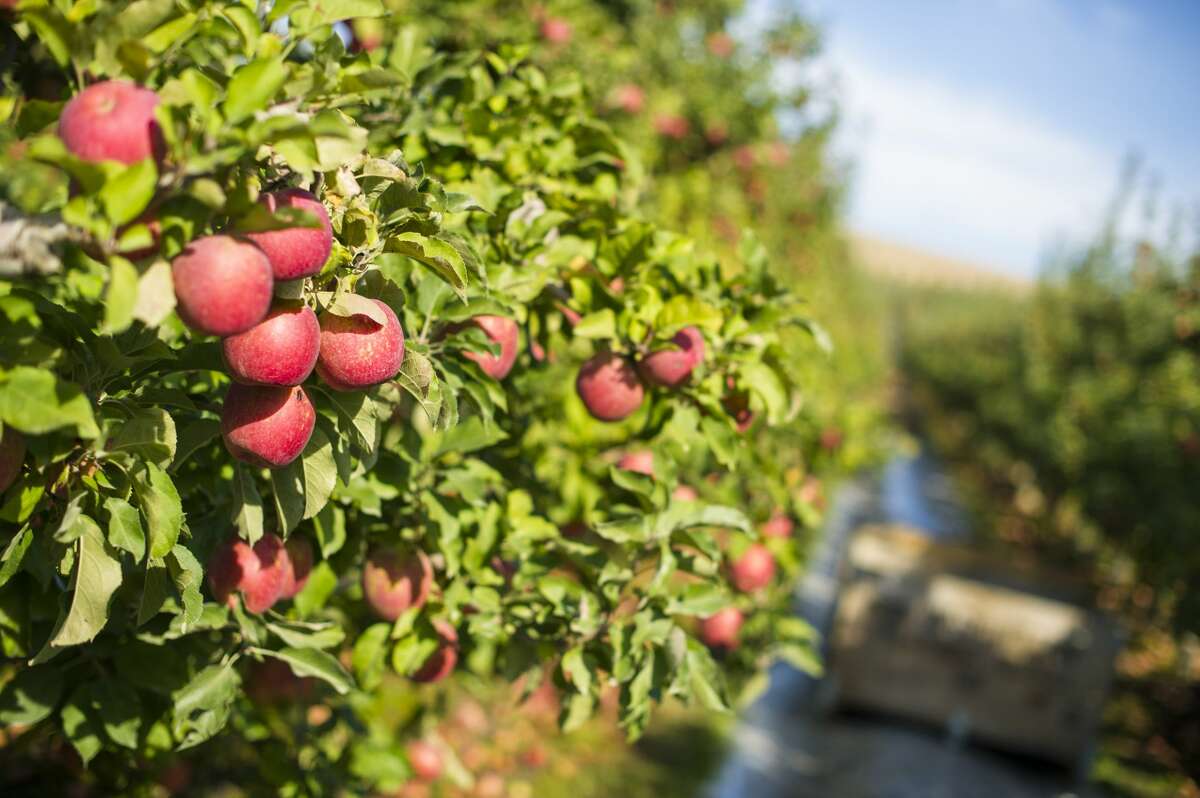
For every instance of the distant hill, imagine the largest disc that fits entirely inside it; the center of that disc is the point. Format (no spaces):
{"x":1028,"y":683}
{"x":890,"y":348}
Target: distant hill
{"x":913,"y":266}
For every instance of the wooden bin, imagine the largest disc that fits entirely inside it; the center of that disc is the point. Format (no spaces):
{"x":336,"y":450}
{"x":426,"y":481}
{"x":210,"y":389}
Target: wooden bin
{"x":949,"y":635}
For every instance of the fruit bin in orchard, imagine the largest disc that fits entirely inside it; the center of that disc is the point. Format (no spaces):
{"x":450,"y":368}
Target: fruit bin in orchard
{"x":948,"y":634}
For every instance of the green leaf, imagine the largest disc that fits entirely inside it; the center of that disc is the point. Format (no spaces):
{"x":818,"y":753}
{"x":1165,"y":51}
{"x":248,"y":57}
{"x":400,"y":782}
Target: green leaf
{"x":577,"y":711}
{"x":418,"y":377}
{"x":721,"y":440}
{"x":308,"y":635}
{"x":125,"y":527}
{"x":149,"y":434}
{"x":683,"y":310}
{"x":14,"y":553}
{"x":53,"y":30}
{"x":347,"y":304}
{"x":576,"y":671}
{"x":30,"y":696}
{"x":159,"y":500}
{"x":97,"y":577}
{"x":119,"y":710}
{"x":303,"y":487}
{"x":370,"y":655}
{"x":601,"y":325}
{"x":120,"y":297}
{"x":77,"y":723}
{"x":322,"y":581}
{"x":36,"y":401}
{"x":23,"y":499}
{"x":698,"y":599}
{"x":193,"y":437}
{"x":685,"y":515}
{"x":201,"y":707}
{"x":359,"y":415}
{"x":155,"y":295}
{"x":127,"y":194}
{"x":312,"y":662}
{"x":327,"y":12}
{"x":156,"y":590}
{"x":764,"y":381}
{"x":800,"y":656}
{"x":330,"y":526}
{"x":252,"y":88}
{"x":469,"y":436}
{"x":247,"y":505}
{"x":188,"y":575}
{"x":439,"y":255}
{"x":705,"y":681}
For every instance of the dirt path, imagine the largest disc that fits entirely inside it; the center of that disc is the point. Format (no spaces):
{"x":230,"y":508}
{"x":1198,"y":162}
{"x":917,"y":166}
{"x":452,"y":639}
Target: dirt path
{"x":785,"y":746}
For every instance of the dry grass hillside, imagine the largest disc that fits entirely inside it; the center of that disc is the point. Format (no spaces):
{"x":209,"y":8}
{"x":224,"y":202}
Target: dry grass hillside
{"x":913,"y":266}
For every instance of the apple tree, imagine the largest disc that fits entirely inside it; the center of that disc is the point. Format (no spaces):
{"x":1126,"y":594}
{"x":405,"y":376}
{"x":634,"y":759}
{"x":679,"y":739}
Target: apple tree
{"x":319,"y":365}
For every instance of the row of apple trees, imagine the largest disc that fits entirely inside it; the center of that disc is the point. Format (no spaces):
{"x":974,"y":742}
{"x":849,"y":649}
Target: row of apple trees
{"x":1075,"y":414}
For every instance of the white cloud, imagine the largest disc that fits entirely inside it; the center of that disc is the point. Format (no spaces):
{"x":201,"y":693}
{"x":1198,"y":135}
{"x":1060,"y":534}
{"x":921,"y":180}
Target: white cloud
{"x":965,"y":175}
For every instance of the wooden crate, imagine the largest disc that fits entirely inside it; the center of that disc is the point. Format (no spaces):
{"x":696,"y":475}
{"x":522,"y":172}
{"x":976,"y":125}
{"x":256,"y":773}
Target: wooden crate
{"x":949,"y":635}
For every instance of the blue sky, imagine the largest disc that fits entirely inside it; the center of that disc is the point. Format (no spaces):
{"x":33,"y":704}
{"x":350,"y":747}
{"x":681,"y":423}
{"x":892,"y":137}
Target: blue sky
{"x":994,"y":130}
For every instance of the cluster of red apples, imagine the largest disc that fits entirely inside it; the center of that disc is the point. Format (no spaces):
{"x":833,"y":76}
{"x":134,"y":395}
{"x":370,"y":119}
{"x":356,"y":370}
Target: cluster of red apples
{"x":751,"y":571}
{"x":225,"y":286}
{"x":612,"y":388}
{"x":267,"y":572}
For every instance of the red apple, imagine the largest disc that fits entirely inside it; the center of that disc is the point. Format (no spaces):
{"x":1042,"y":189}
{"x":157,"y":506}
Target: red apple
{"x":223,"y":285}
{"x":12,"y":455}
{"x":298,"y":564}
{"x":490,"y":785}
{"x":501,"y":330}
{"x":629,"y":98}
{"x":639,"y":462}
{"x":176,"y":776}
{"x":257,"y":573}
{"x":470,"y":716}
{"x":425,"y":760}
{"x":670,"y":368}
{"x":280,"y":350}
{"x":685,"y":493}
{"x":721,"y":630}
{"x":744,"y":158}
{"x":778,"y":526}
{"x":753,"y":570}
{"x":112,"y":121}
{"x":720,"y":44}
{"x":266,"y":426}
{"x":441,"y":662}
{"x":556,"y":30}
{"x":831,"y":439}
{"x":273,"y":681}
{"x":609,"y":387}
{"x":716,"y":134}
{"x":295,"y":252}
{"x":535,"y":756}
{"x":357,"y":353}
{"x":671,"y":126}
{"x":394,"y":581}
